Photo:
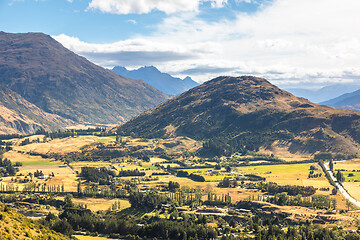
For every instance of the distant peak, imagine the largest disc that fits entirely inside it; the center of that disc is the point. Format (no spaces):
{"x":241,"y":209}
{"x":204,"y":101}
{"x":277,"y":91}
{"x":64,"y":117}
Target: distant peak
{"x":149,"y":68}
{"x":119,"y":68}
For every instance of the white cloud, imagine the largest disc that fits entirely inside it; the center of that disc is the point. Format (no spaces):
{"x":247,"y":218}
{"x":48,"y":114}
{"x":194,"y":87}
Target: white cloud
{"x":289,"y":42}
{"x":146,"y":6}
{"x":131,"y":21}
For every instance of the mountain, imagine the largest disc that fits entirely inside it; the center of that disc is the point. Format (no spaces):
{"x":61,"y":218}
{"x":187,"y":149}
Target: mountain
{"x":249,"y":113}
{"x":325,"y":93}
{"x":18,"y":116}
{"x":161,"y":81}
{"x":349,"y":101}
{"x":14,"y":225}
{"x":58,"y":81}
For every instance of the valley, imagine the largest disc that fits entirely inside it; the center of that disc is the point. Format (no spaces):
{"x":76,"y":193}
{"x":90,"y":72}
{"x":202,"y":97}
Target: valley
{"x":155,"y":183}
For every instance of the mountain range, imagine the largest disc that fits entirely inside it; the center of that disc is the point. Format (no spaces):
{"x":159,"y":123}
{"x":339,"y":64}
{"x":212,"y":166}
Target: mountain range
{"x":349,"y":101}
{"x":161,"y":81}
{"x":248,"y":113}
{"x":325,"y":93}
{"x":57,"y":81}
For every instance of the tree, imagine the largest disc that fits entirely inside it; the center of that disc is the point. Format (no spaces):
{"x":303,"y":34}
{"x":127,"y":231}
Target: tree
{"x":340,"y":176}
{"x":331,"y":165}
{"x":348,"y":204}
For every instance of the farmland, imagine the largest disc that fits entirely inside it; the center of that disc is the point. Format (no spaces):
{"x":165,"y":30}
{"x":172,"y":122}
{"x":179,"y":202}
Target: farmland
{"x":172,"y":173}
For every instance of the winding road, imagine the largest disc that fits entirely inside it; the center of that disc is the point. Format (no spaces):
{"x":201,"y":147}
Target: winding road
{"x":341,"y":188}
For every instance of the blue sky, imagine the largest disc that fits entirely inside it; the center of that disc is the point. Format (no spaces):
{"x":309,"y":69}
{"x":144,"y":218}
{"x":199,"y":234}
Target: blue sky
{"x":293,"y":43}
{"x":75,"y":18}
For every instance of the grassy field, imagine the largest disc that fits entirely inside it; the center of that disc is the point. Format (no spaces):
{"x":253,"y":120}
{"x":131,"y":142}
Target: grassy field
{"x":351,"y":178}
{"x":60,"y":146}
{"x":292,"y":174}
{"x":353,"y":188}
{"x":348,"y":165}
{"x":97,"y":204}
{"x":82,"y":237}
{"x":28,"y":160}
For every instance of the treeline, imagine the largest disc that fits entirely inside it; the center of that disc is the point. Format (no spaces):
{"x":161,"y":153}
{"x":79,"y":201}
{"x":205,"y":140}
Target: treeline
{"x":7,"y":168}
{"x":81,"y":220}
{"x":331,"y":156}
{"x":315,"y":201}
{"x":149,"y":200}
{"x":105,"y":176}
{"x":304,"y":232}
{"x":102,"y":175}
{"x":293,"y":190}
{"x":192,"y":176}
{"x":130,"y":173}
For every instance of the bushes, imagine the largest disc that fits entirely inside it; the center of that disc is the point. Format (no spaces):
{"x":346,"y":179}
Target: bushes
{"x":292,"y":190}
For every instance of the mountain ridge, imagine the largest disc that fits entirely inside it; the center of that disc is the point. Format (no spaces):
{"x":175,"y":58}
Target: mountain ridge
{"x":349,"y":101}
{"x":60,"y":82}
{"x":249,"y":113}
{"x":162,"y":81}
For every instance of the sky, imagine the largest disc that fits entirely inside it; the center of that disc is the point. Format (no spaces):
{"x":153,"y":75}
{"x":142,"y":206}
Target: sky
{"x":292,"y":43}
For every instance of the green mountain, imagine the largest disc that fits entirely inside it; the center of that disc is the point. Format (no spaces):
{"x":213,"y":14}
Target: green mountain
{"x":60,"y":82}
{"x":249,"y":113}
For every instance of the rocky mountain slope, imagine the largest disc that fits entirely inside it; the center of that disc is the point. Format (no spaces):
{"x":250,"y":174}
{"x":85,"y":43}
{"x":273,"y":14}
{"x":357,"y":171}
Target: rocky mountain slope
{"x":248,"y":113}
{"x":60,"y":82}
{"x":19,"y":116}
{"x":161,"y":81}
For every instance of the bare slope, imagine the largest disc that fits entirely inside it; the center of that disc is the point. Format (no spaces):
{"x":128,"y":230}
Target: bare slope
{"x":58,"y":81}
{"x":18,"y":116}
{"x":249,"y":113}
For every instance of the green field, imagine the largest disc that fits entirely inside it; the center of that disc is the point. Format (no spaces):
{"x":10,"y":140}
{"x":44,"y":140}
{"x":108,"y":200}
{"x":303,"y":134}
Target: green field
{"x":40,"y":163}
{"x":353,"y":178}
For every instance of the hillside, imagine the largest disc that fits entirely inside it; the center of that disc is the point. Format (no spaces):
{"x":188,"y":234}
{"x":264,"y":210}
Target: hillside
{"x":248,"y":113}
{"x":16,"y":226}
{"x":349,"y":101}
{"x":60,"y":82}
{"x":161,"y":81}
{"x":18,"y":116}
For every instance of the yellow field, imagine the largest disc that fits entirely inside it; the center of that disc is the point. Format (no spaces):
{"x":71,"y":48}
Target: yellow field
{"x":28,"y":160}
{"x":348,"y":165}
{"x":292,"y":174}
{"x":353,"y":189}
{"x":97,"y":204}
{"x":61,"y":146}
{"x":81,"y":237}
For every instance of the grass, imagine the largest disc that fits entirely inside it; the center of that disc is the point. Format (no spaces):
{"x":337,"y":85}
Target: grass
{"x":28,"y":160}
{"x":40,"y":163}
{"x":288,"y":174}
{"x":82,"y":237}
{"x":353,"y":178}
{"x":109,"y":139}
{"x":96,"y":204}
{"x":353,"y":188}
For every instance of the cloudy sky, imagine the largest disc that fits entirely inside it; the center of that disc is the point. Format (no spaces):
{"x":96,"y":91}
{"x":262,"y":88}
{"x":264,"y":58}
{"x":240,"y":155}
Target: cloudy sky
{"x":292,"y":43}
